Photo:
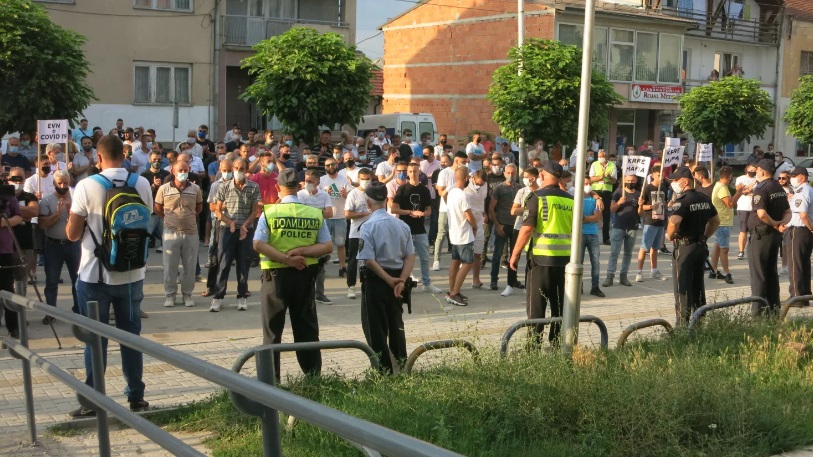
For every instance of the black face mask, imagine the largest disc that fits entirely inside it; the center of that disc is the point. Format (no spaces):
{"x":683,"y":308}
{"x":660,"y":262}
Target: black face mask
{"x":46,"y":170}
{"x":311,"y":167}
{"x":61,"y":190}
{"x":751,"y":174}
{"x":286,"y":156}
{"x":349,"y":163}
{"x":629,"y":185}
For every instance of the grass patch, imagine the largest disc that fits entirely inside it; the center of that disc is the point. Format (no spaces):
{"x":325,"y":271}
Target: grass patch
{"x":741,"y":387}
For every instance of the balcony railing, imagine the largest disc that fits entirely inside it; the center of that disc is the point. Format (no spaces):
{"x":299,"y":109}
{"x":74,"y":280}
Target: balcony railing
{"x":248,"y":31}
{"x":719,"y":25}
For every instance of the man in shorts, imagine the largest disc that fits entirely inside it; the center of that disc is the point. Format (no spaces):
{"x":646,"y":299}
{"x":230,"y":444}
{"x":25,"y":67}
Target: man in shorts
{"x":652,"y":205}
{"x":463,"y":227}
{"x":476,"y":192}
{"x":724,"y":204}
{"x":742,"y":198}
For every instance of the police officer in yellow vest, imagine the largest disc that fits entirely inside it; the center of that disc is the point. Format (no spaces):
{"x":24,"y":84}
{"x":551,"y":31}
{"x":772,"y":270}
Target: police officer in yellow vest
{"x":290,"y":238}
{"x":603,"y":176}
{"x":547,"y":222}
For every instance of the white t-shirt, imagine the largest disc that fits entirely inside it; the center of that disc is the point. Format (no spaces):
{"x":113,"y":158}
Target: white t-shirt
{"x":460,"y":231}
{"x":135,"y":144}
{"x":537,"y":154}
{"x":357,"y":203}
{"x":477,"y":199}
{"x":383,"y":169}
{"x":46,"y":183}
{"x":213,"y":191}
{"x":350,"y":175}
{"x":744,"y":202}
{"x":519,"y":199}
{"x":141,"y":160}
{"x":333,"y":187}
{"x":445,"y":180}
{"x":319,"y":200}
{"x":89,"y":199}
{"x":474,"y":148}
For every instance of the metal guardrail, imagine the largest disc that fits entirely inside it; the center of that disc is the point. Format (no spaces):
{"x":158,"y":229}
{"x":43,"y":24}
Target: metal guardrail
{"x":248,"y":31}
{"x":783,"y":312}
{"x":506,"y":338}
{"x":700,"y":312}
{"x":369,"y":435}
{"x":622,"y":339}
{"x":435,"y":345}
{"x":719,"y":25}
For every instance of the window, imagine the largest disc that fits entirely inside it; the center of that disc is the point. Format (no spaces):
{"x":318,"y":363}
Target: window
{"x":408,"y":125}
{"x":625,"y":127}
{"x":669,"y":58}
{"x":572,"y":34}
{"x":646,"y":56}
{"x":427,"y":127}
{"x":171,"y":5}
{"x":724,"y":62}
{"x":162,"y":84}
{"x":806,"y":63}
{"x":622,"y":54}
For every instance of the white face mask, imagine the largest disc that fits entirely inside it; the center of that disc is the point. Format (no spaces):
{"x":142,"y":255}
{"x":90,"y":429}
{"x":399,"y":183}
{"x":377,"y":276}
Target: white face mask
{"x":527,"y":182}
{"x":602,"y":160}
{"x":496,"y":169}
{"x":310,"y":187}
{"x":539,"y":182}
{"x":239,"y":175}
{"x":227,"y":176}
{"x":365,"y":183}
{"x":19,"y":187}
{"x":796,"y":182}
{"x":190,"y":140}
{"x":182,"y":177}
{"x":676,"y":188}
{"x":588,"y":190}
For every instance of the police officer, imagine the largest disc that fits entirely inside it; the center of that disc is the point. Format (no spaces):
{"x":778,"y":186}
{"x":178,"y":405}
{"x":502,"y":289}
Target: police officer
{"x":387,"y":255}
{"x":800,"y":227}
{"x":694,"y":219}
{"x":548,"y":216}
{"x":290,"y":238}
{"x":770,"y":212}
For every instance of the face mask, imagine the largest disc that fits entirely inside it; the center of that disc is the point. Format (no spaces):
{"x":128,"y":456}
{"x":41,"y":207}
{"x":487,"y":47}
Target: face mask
{"x":182,"y":177}
{"x":61,"y":190}
{"x":24,"y":142}
{"x":311,"y":167}
{"x":629,"y":185}
{"x":402,"y":176}
{"x":443,"y":142}
{"x":539,"y":182}
{"x":443,"y":167}
{"x":221,"y":157}
{"x":602,"y":160}
{"x":676,"y":188}
{"x":46,"y":170}
{"x":478,"y":140}
{"x":310,"y":187}
{"x":337,"y":156}
{"x":380,"y":135}
{"x":509,"y":178}
{"x":60,"y":157}
{"x":465,"y":165}
{"x":590,"y":159}
{"x":408,"y":138}
{"x":149,"y":144}
{"x":588,"y":190}
{"x":349,"y":163}
{"x":751,"y":174}
{"x":286,"y":156}
{"x":269,"y":143}
{"x":87,"y":147}
{"x":386,"y":153}
{"x":239,"y":175}
{"x":270,"y":167}
{"x":365,"y":183}
{"x":12,"y":149}
{"x":362,"y":157}
{"x":527,"y":182}
{"x":496,"y":169}
{"x":227,"y":176}
{"x":473,"y":186}
{"x":201,"y":134}
{"x":289,"y":142}
{"x":18,"y":187}
{"x":155,"y":165}
{"x":795,"y":182}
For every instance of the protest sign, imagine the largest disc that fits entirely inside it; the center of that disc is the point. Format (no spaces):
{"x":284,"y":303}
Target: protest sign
{"x":706,"y":153}
{"x":672,"y":152}
{"x":54,"y":131}
{"x":636,"y":165}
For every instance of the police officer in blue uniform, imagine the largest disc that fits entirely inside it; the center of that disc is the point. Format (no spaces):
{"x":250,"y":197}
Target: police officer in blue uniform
{"x":770,"y":212}
{"x":800,"y":229}
{"x":387,"y":255}
{"x":693,"y":220}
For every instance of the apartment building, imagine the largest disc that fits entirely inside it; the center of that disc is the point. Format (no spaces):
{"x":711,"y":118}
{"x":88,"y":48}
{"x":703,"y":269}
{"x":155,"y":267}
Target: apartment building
{"x":152,"y":58}
{"x":797,"y":61}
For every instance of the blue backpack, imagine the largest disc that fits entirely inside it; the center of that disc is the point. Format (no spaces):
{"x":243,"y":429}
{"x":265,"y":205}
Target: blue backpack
{"x":124,"y":242}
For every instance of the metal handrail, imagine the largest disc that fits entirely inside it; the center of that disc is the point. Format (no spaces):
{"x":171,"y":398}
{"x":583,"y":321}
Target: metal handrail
{"x":373,"y":436}
{"x":622,"y":340}
{"x":435,"y":345}
{"x":700,"y":312}
{"x":709,"y":24}
{"x":783,"y":313}
{"x":506,"y":338}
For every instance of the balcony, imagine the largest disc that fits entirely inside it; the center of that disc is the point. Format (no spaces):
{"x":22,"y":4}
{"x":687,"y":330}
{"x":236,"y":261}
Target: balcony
{"x":243,"y":31}
{"x":724,"y":23}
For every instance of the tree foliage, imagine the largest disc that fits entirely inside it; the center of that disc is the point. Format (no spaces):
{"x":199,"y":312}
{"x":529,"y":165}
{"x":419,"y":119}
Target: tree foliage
{"x":727,"y":111}
{"x":799,"y":115}
{"x":307,"y":79}
{"x":43,"y":69}
{"x":543,"y":102}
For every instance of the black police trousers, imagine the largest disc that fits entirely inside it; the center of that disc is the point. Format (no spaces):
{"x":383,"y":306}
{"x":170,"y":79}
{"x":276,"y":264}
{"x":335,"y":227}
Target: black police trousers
{"x":545,"y":285}
{"x":292,"y":290}
{"x":382,"y":320}
{"x":763,"y":251}
{"x":800,"y":247}
{"x":687,"y":276}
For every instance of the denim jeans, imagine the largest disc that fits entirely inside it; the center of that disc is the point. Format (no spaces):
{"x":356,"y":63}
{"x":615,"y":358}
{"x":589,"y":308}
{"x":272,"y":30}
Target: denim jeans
{"x":591,"y":244}
{"x":618,"y":239}
{"x":231,"y":247}
{"x":496,"y":254}
{"x":421,"y":243}
{"x":57,"y":255}
{"x":126,"y":301}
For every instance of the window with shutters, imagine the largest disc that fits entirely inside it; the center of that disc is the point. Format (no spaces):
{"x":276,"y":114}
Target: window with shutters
{"x":161,"y":83}
{"x":806,"y":63}
{"x":166,"y":5}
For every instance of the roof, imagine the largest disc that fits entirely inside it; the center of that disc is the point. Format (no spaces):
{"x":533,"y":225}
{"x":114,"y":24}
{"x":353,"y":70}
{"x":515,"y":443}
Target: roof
{"x":378,"y":83}
{"x":799,"y":9}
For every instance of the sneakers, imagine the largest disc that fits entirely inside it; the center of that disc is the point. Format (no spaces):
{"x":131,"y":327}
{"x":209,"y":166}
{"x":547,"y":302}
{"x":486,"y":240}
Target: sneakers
{"x":518,"y":285}
{"x":783,"y":271}
{"x":351,"y":292}
{"x":457,"y":299}
{"x":639,"y":277}
{"x":597,"y":292}
{"x":336,"y":261}
{"x":493,"y":286}
{"x":241,"y":304}
{"x":508,"y":291}
{"x":436,"y":266}
{"x":342,"y":272}
{"x":322,"y":300}
{"x":81,"y":413}
{"x":188,"y":301}
{"x":431,"y":289}
{"x":159,"y":251}
{"x":608,"y":282}
{"x":623,"y":281}
{"x":169,"y":302}
{"x":504,"y":265}
{"x":663,"y":250}
{"x":479,"y":285}
{"x":657,"y":275}
{"x":728,"y":279}
{"x":217,"y":305}
{"x":199,"y":278}
{"x":741,"y":256}
{"x":139,"y":405}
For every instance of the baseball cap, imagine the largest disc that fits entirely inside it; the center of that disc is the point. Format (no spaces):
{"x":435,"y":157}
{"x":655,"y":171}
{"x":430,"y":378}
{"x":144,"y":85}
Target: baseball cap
{"x":680,"y":173}
{"x":553,"y":168}
{"x":766,"y":165}
{"x":798,"y":171}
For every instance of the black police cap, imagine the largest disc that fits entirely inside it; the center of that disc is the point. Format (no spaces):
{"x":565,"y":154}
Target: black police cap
{"x":680,"y":173}
{"x":376,"y":191}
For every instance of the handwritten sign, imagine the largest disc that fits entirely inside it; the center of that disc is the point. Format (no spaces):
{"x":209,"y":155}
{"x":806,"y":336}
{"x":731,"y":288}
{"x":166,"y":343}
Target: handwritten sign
{"x":672,"y":152}
{"x":706,"y":153}
{"x":53,"y":131}
{"x":636,"y":165}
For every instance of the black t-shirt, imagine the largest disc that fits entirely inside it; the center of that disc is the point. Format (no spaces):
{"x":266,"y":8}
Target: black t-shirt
{"x":23,"y":232}
{"x":771,"y":197}
{"x":405,"y":151}
{"x":413,"y":198}
{"x":626,"y":217}
{"x":651,"y":195}
{"x":149,"y":175}
{"x":707,"y":191}
{"x":696,"y":210}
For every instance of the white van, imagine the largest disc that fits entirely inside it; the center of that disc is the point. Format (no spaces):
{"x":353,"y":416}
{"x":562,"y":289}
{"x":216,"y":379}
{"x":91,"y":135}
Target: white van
{"x":396,"y":123}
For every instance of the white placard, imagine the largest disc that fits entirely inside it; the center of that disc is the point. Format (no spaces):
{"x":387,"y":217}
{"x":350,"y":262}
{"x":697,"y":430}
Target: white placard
{"x":636,"y":165}
{"x":53,"y":131}
{"x":706,"y":153}
{"x":672,"y":152}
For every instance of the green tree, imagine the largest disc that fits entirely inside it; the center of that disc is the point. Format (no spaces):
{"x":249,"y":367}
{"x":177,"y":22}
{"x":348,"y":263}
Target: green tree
{"x":43,"y":69}
{"x":307,"y":79}
{"x":799,"y":115}
{"x":727,"y":111}
{"x":543,"y":102}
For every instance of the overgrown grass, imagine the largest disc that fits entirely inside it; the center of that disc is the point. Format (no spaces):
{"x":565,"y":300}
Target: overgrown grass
{"x":739,"y":388}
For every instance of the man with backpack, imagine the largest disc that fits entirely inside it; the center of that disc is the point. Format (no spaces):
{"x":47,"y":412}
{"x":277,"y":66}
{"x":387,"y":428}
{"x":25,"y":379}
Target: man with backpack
{"x":115,"y":206}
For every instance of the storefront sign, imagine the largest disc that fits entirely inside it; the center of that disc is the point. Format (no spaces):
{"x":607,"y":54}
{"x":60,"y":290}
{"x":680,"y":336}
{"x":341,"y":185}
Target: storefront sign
{"x":654,"y":94}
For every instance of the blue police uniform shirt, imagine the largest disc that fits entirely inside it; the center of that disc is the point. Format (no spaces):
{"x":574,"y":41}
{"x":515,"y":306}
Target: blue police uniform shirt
{"x":261,"y":233}
{"x":385,"y":239}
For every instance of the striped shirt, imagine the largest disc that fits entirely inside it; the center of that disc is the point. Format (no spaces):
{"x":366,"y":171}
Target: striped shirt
{"x":238,"y":204}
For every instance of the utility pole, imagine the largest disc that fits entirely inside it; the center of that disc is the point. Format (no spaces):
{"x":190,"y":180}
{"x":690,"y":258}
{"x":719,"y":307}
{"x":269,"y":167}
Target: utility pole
{"x":523,"y":154}
{"x":574,"y":270}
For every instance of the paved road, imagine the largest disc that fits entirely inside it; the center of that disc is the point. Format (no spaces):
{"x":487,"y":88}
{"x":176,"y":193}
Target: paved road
{"x":220,"y":337}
